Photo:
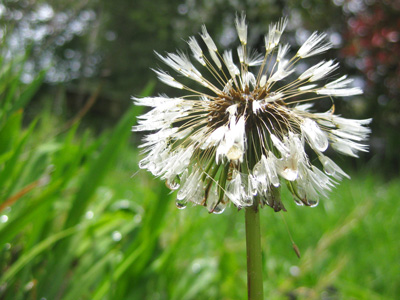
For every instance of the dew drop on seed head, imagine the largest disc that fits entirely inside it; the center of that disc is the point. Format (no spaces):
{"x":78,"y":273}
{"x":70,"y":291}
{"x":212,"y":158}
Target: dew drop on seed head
{"x":172,"y":184}
{"x":298,"y":202}
{"x":182,"y":193}
{"x":328,"y":168}
{"x":312,"y":203}
{"x":290,"y":174}
{"x":180,"y":204}
{"x":143,"y":165}
{"x":219,"y":209}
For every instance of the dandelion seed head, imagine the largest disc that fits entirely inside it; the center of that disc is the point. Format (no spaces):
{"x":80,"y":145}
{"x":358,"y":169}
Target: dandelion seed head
{"x":245,"y":136}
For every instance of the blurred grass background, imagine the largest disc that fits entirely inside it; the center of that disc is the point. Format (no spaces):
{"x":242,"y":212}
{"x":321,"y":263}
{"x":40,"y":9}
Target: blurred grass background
{"x":79,"y":221}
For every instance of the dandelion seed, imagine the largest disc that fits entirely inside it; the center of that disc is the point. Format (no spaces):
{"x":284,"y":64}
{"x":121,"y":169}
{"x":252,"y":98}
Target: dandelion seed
{"x":245,"y":138}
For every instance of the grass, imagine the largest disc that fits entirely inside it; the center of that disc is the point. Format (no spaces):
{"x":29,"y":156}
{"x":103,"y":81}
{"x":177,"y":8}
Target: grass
{"x":77,"y":222}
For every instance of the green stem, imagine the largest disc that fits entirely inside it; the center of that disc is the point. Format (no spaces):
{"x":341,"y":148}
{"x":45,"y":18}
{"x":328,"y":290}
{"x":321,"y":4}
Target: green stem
{"x":254,"y":259}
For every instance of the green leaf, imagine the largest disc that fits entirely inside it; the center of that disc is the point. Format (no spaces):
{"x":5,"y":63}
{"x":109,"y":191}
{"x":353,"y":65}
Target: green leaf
{"x":10,"y":131}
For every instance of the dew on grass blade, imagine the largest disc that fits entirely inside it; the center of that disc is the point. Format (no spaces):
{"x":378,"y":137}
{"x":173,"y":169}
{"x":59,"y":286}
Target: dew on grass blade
{"x":89,"y":215}
{"x":116,"y":236}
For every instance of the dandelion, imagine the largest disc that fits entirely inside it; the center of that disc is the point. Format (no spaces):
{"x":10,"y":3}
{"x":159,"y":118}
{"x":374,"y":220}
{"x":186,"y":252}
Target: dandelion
{"x":240,"y":131}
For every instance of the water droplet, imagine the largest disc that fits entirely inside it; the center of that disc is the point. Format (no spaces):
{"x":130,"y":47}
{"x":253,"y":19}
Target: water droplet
{"x":246,"y":200}
{"x":320,"y":142}
{"x":122,"y":204}
{"x":196,"y":267}
{"x":116,"y":236}
{"x":290,"y":174}
{"x":298,"y":202}
{"x":198,"y":196}
{"x":181,"y":194}
{"x":181,"y":204}
{"x":312,"y":203}
{"x":259,"y":172}
{"x":89,"y":215}
{"x":143,"y":164}
{"x":172,"y":184}
{"x":234,"y":153}
{"x":317,"y":138}
{"x":275,"y":180}
{"x":137,"y":219}
{"x":219,"y":209}
{"x":29,"y":285}
{"x":3,"y":219}
{"x":211,"y":199}
{"x":7,"y":246}
{"x":328,"y":168}
{"x":294,"y":271}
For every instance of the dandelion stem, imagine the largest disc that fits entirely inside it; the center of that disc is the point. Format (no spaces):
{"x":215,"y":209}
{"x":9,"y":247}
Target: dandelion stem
{"x":253,"y":246}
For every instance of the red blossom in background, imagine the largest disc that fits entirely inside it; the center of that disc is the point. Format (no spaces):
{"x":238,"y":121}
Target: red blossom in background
{"x":372,"y":44}
{"x":373,"y":37}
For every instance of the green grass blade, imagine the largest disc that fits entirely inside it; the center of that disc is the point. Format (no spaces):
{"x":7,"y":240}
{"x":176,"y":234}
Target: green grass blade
{"x":10,"y":131}
{"x":98,"y":169}
{"x":89,"y":277}
{"x":35,"y":251}
{"x":34,"y":209}
{"x":10,"y":165}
